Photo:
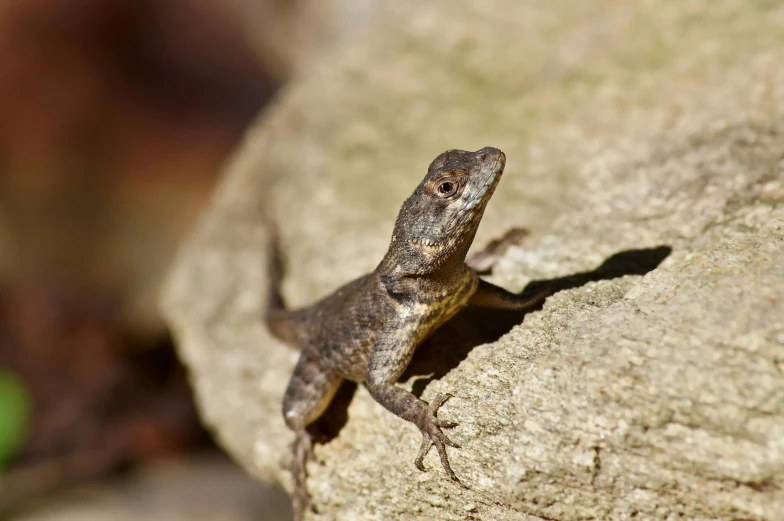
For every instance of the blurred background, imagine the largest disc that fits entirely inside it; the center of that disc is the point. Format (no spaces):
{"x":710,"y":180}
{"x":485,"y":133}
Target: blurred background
{"x":116,"y":118}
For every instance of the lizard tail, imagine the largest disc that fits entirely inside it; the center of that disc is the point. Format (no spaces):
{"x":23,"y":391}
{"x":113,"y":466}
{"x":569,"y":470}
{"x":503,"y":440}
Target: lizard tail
{"x":274,"y":271}
{"x":282,"y":323}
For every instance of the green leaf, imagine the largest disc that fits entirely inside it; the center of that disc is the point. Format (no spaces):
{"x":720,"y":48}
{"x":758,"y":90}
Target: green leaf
{"x":15,"y":412}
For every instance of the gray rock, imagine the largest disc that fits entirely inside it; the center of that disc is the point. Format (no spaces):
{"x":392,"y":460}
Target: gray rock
{"x":639,"y":136}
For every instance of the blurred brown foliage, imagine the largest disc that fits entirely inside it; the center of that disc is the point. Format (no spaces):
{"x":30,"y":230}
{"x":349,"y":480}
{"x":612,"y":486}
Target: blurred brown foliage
{"x":117,"y":115}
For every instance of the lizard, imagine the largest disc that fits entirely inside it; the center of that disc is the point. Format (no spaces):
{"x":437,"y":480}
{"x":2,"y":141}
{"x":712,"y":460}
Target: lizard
{"x":367,"y":330}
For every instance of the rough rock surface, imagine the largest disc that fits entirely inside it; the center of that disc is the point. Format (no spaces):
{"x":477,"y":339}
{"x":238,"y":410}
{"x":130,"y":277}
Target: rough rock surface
{"x":645,"y":145}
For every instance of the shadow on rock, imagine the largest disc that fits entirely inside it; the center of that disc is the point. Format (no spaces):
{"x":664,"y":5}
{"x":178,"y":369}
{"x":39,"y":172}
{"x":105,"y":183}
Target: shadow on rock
{"x":472,"y":326}
{"x":452,"y":342}
{"x":629,"y":262}
{"x":328,"y":425}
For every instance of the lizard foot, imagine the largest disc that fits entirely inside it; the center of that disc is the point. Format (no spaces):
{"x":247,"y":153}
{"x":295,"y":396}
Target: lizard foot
{"x":303,"y":449}
{"x":431,"y":432}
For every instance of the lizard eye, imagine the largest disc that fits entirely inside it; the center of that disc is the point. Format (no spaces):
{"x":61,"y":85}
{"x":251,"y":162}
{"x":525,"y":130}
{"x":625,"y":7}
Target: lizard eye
{"x":446,"y":188}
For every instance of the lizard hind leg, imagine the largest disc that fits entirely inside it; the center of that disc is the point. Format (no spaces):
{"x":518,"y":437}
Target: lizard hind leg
{"x":310,"y":390}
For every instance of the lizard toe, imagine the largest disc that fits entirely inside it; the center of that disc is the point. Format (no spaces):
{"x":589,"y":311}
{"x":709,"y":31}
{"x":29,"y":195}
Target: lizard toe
{"x":439,"y":436}
{"x":440,"y":446}
{"x":444,"y":424}
{"x":440,"y":400}
{"x":423,"y":450}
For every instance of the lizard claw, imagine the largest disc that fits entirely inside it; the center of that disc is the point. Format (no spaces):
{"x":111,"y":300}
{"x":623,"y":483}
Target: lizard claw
{"x":432,"y":435}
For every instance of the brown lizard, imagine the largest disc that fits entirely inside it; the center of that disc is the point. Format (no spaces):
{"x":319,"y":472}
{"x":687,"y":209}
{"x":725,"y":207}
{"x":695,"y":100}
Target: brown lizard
{"x":367,"y":330}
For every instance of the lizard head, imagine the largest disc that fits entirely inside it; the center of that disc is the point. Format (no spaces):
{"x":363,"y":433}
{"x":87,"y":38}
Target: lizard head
{"x":437,"y":224}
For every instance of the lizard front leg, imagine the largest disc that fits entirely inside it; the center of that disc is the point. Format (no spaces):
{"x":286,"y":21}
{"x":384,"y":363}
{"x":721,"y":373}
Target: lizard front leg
{"x":389,"y":357}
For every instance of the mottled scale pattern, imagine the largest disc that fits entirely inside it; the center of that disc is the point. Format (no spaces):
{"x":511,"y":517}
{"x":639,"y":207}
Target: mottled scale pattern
{"x":367,"y":331}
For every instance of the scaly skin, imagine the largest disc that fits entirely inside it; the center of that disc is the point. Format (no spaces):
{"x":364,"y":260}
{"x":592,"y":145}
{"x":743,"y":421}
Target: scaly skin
{"x":367,"y":330}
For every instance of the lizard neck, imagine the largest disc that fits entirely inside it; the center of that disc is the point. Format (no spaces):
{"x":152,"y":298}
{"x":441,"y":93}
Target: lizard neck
{"x":408,"y":257}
